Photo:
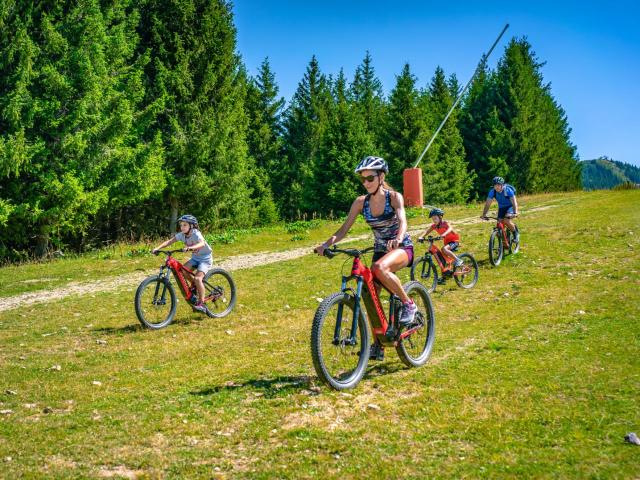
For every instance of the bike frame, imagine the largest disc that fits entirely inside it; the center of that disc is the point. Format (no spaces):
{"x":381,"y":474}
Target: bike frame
{"x":501,"y":228}
{"x":179,"y":272}
{"x":443,"y":261}
{"x":366,"y":290}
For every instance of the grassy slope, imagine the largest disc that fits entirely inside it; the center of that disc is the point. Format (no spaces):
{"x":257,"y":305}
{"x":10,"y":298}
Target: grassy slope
{"x":541,"y":382}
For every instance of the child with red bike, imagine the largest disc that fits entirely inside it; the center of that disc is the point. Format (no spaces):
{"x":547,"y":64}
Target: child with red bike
{"x":201,"y":260}
{"x":450,"y":238}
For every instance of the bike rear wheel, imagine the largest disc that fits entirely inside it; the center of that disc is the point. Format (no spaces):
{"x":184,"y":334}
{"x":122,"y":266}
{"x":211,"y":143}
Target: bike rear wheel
{"x":220,"y":292}
{"x":339,"y":362}
{"x":495,"y":248}
{"x":424,"y":270}
{"x":466,"y":275}
{"x":415,"y":349}
{"x":155,"y":302}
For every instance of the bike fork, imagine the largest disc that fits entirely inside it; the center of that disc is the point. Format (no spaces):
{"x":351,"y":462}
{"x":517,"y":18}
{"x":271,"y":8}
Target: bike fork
{"x":356,"y":312}
{"x":163,"y":280}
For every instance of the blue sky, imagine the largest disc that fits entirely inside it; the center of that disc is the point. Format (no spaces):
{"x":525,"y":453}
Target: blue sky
{"x":591,"y":50}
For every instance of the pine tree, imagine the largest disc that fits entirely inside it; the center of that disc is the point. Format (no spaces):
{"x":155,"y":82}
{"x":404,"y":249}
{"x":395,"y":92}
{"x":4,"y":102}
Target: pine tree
{"x":404,"y":126}
{"x":198,"y":89}
{"x":484,"y":136}
{"x":305,"y":123}
{"x":367,"y":96}
{"x":538,"y":149}
{"x":264,"y":138}
{"x":70,"y":92}
{"x":343,"y":144}
{"x":445,"y":175}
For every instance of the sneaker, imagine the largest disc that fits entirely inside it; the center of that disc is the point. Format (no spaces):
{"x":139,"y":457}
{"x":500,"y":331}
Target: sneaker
{"x":376,"y":352}
{"x":458,"y":263}
{"x":442,"y":280}
{"x":201,"y":308}
{"x":408,"y":314}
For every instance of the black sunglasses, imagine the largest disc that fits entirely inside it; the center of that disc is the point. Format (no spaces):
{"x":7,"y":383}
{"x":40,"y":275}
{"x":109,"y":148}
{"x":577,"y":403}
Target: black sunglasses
{"x":368,"y":178}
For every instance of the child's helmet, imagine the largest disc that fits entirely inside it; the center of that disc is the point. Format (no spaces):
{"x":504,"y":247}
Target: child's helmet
{"x":498,"y":181}
{"x":190,"y":219}
{"x":372,"y":163}
{"x":436,"y":211}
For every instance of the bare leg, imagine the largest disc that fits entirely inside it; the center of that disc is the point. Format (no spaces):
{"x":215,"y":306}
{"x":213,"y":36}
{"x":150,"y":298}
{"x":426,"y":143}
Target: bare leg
{"x":448,"y":253}
{"x":384,"y":270}
{"x":510,"y":224}
{"x":199,"y":285}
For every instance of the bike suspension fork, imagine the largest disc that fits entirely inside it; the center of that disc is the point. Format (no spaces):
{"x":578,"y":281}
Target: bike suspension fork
{"x":356,"y":313}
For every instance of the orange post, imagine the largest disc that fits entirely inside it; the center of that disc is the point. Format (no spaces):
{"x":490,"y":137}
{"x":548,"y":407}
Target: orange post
{"x":412,"y":179}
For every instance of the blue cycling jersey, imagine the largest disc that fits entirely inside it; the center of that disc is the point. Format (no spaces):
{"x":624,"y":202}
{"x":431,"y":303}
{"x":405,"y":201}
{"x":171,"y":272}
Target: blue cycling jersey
{"x":503,"y":197}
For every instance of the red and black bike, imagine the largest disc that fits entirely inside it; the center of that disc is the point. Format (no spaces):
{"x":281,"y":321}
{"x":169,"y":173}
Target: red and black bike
{"x":425,"y":269}
{"x":156,"y":301}
{"x":502,"y":239}
{"x":341,"y":336}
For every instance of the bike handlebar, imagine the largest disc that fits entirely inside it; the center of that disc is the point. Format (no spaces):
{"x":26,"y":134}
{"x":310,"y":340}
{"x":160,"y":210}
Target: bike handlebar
{"x":430,"y":239}
{"x":491,"y":217}
{"x":168,"y":252}
{"x":352,"y":252}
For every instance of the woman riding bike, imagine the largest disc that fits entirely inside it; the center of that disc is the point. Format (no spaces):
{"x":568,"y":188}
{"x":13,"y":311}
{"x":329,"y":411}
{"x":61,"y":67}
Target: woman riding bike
{"x":383,"y":210}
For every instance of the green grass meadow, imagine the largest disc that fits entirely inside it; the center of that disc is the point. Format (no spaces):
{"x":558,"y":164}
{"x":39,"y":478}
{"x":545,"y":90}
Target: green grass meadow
{"x":535,"y":372}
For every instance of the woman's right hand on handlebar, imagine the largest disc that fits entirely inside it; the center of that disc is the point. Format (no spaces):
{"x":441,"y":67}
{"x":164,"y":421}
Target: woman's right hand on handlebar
{"x":155,"y":252}
{"x":320,"y":249}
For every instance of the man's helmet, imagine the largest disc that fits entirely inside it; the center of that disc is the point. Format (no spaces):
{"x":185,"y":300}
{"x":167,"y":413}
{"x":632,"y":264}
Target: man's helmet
{"x":498,"y":181}
{"x":372,"y":163}
{"x":190,"y":219}
{"x":436,"y":211}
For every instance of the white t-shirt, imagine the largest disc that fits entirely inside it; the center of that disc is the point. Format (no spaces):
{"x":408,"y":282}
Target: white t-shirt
{"x":203,"y":254}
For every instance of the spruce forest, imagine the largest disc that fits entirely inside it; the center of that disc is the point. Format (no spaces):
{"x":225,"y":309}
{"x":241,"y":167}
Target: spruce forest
{"x":116,"y":117}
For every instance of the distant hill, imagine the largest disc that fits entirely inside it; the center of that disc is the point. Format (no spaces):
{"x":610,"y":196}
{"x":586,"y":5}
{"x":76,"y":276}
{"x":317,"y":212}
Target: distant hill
{"x":606,"y":173}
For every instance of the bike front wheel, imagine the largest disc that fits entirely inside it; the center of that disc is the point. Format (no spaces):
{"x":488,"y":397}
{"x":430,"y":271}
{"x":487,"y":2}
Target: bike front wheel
{"x":339,"y":346}
{"x":424,"y":270}
{"x":220,"y":292}
{"x":415,"y":349}
{"x":155,"y":302}
{"x":495,"y":248}
{"x":466,"y":275}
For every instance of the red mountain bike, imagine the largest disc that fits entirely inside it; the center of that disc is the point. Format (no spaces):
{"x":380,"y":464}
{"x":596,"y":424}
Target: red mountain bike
{"x":156,"y":301}
{"x":340,"y":335}
{"x":424,"y":268}
{"x":501,"y":239}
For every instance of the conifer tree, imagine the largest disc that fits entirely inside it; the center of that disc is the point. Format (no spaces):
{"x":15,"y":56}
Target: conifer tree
{"x":484,"y":135}
{"x":445,"y":175}
{"x":305,"y":123}
{"x":70,"y":93}
{"x":264,"y":137}
{"x":404,"y":126}
{"x":343,"y":144}
{"x":198,"y":89}
{"x":367,"y":96}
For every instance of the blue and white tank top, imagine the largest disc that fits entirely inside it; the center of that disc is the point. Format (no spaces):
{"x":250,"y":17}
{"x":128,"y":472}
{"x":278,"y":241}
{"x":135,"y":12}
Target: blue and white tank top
{"x":385,"y":226}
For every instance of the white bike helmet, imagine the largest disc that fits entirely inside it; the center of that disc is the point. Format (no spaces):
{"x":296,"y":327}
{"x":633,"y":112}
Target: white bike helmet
{"x":372,"y":163}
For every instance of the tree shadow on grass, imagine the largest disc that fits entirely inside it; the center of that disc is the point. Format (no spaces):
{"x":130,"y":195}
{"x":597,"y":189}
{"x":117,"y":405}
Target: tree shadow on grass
{"x":280,"y":386}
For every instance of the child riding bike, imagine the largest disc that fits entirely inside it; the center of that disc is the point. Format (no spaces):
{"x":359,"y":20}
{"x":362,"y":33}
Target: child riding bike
{"x":505,"y":195}
{"x":201,"y":259}
{"x":383,"y":209}
{"x":450,"y":238}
